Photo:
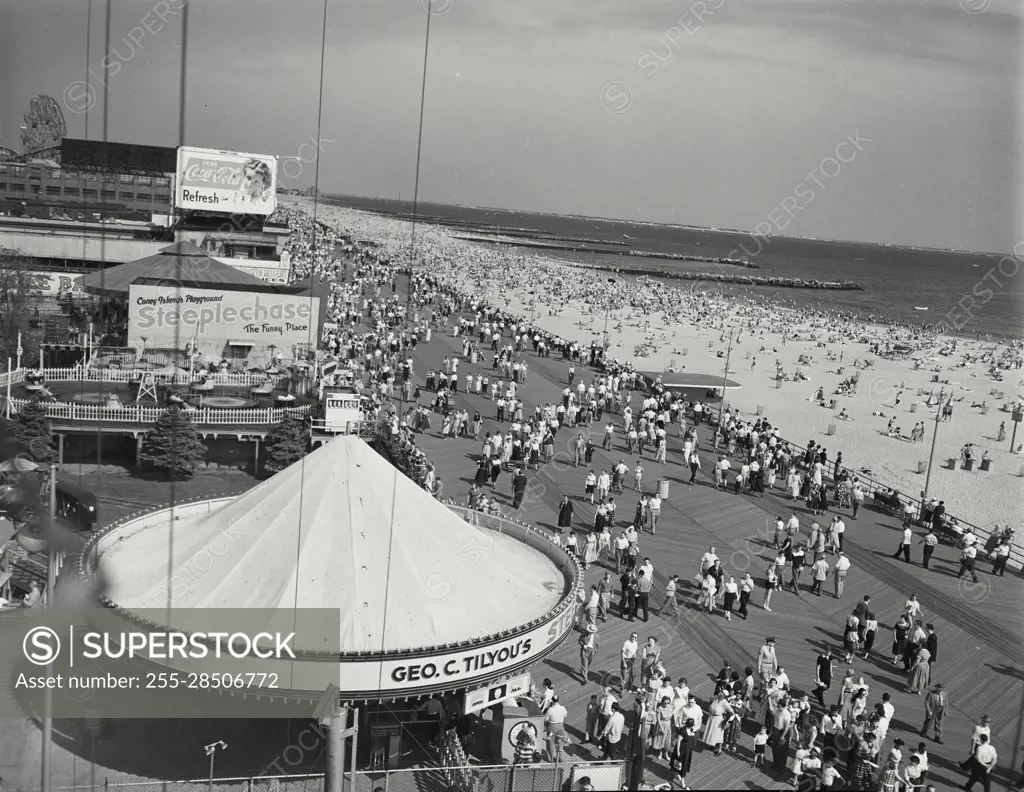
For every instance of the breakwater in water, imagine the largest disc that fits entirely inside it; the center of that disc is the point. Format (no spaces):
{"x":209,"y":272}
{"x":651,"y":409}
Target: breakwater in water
{"x":595,"y":246}
{"x":723,"y":277}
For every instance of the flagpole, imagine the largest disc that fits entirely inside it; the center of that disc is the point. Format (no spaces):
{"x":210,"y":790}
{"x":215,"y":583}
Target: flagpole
{"x":8,"y":408}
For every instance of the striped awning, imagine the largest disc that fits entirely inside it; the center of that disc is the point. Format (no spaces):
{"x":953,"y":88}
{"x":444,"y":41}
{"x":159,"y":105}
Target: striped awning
{"x":63,"y":347}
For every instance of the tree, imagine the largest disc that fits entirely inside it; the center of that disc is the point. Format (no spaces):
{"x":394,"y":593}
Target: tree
{"x":173,"y":445}
{"x":286,"y":444}
{"x":30,"y":430}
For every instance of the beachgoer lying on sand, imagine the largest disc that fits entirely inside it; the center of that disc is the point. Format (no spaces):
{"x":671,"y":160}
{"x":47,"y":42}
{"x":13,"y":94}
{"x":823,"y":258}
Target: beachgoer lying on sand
{"x":843,"y":415}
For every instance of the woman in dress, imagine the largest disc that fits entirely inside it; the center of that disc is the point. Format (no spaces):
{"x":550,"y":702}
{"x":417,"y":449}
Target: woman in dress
{"x":447,"y":426}
{"x":863,"y":763}
{"x":719,"y":710}
{"x":604,"y":544}
{"x":748,"y":693}
{"x":870,"y":629}
{"x":793,"y":484}
{"x":590,"y":550}
{"x":920,"y":672}
{"x":682,"y":753}
{"x":850,"y":640}
{"x":565,"y":510}
{"x":661,"y":740}
{"x":900,"y":631}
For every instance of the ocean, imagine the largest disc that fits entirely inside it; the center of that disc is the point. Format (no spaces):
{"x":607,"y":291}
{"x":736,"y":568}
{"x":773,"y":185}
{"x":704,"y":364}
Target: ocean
{"x":966,"y":293}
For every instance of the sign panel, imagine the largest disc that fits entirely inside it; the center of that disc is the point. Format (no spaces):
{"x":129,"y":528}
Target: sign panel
{"x":483,"y":698}
{"x":225,"y":181}
{"x":170,"y":317}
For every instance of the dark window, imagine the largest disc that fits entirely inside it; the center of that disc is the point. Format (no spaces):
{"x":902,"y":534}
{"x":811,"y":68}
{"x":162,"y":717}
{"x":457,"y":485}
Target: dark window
{"x":108,"y":195}
{"x":127,"y":196}
{"x":71,"y":191}
{"x":162,"y":197}
{"x":33,"y":188}
{"x":34,"y":175}
{"x":144,"y":198}
{"x":90,"y":193}
{"x":18,"y":188}
{"x":53,"y":189}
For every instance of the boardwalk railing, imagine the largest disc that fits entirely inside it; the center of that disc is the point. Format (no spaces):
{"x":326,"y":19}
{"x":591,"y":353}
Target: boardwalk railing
{"x":126,"y":375}
{"x":90,"y":413}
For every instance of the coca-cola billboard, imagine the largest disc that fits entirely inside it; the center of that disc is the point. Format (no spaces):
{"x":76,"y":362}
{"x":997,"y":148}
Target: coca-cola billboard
{"x":227,"y":182}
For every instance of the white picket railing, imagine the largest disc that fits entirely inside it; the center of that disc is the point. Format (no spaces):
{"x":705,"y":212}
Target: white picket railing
{"x":90,"y":413}
{"x":126,"y":375}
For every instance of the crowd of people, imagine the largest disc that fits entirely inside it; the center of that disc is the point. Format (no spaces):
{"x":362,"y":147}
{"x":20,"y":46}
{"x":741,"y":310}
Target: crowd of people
{"x":831,"y":743}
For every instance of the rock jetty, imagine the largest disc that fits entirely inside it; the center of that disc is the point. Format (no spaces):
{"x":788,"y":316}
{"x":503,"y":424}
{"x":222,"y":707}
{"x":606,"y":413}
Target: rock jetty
{"x":722,"y":277}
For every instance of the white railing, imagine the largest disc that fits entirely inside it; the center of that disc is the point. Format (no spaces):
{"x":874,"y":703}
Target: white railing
{"x":90,"y":413}
{"x":126,"y":375}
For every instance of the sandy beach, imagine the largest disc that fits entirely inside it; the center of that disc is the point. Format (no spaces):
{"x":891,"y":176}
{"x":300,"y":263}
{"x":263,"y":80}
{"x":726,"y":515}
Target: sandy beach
{"x":656,"y":325}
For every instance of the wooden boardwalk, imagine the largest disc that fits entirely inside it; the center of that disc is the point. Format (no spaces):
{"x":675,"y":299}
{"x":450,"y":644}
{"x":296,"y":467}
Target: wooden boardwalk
{"x":979,"y":625}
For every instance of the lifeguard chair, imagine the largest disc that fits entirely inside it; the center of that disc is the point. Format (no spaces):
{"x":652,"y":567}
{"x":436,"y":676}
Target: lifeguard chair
{"x":340,"y":410}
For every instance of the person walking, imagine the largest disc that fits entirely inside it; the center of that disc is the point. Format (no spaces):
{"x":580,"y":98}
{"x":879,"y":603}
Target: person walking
{"x":627,"y":662}
{"x":985,"y":758}
{"x":670,"y":597}
{"x":767,"y":662}
{"x":771,"y":580}
{"x":731,"y":592}
{"x":903,"y":549}
{"x":746,"y":589}
{"x":819,"y":574}
{"x":604,"y":591}
{"x":588,"y":651}
{"x":934,"y":711}
{"x":929,"y":541}
{"x":823,"y":675}
{"x":839,"y":573}
{"x":611,"y":735}
{"x":967,"y":558}
{"x":554,"y":726}
{"x":643,"y":594}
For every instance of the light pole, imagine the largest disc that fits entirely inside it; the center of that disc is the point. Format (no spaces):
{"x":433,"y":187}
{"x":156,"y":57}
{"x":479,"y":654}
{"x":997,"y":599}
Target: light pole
{"x":211,"y":751}
{"x":607,"y":313}
{"x":51,"y":582}
{"x":931,"y":456}
{"x":725,"y":379}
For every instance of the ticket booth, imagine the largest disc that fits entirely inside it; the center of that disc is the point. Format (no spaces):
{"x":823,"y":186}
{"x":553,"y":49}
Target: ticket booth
{"x":341,"y":410}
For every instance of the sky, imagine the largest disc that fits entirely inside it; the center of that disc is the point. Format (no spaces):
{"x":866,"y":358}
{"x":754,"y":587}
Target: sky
{"x":891,"y":121}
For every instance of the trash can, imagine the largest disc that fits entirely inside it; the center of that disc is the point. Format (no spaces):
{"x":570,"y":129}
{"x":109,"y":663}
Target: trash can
{"x":663,"y":489}
{"x":968,"y":464}
{"x":952,"y":463}
{"x":913,"y":407}
{"x":985,"y":464}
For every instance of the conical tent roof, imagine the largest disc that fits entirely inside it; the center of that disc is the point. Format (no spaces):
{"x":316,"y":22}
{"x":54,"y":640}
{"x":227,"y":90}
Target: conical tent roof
{"x":342,"y":529}
{"x":183,"y":263}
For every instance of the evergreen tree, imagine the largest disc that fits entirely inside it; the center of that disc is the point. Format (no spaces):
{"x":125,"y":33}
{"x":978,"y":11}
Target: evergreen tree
{"x":31,"y":432}
{"x":286,"y":444}
{"x":173,"y":445}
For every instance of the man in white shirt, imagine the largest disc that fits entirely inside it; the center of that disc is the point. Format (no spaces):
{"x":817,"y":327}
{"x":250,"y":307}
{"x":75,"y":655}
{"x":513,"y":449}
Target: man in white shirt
{"x":835,"y":534}
{"x":655,"y":506}
{"x":839,"y":573}
{"x":707,"y":560}
{"x":554,"y":725}
{"x":648,"y":569}
{"x":793,"y":526}
{"x":612,"y":734}
{"x":627,"y":662}
{"x":985,"y":758}
{"x":904,"y":546}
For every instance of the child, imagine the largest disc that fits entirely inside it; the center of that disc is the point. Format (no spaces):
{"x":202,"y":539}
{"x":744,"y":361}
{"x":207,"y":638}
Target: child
{"x":732,"y":729}
{"x":593,"y":718}
{"x":829,"y":776}
{"x":760,"y":741}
